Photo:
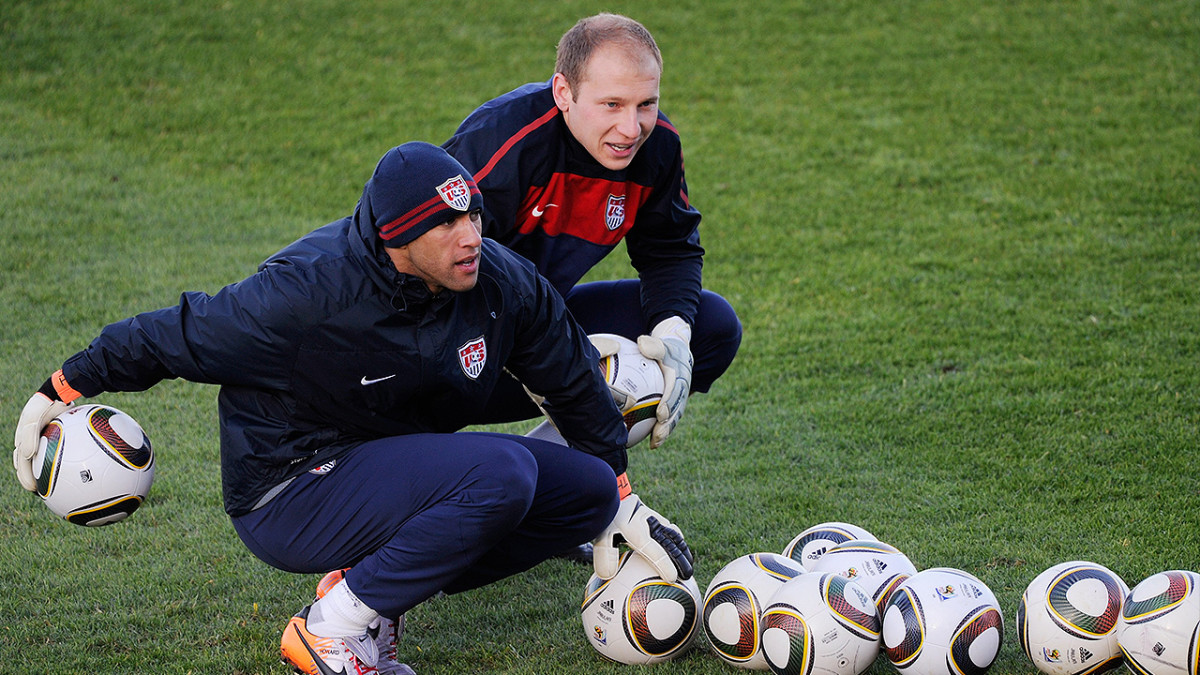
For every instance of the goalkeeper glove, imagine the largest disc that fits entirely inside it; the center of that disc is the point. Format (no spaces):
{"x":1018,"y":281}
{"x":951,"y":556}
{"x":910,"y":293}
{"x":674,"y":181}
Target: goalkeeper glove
{"x":52,"y":400}
{"x":647,"y":533}
{"x":667,"y":344}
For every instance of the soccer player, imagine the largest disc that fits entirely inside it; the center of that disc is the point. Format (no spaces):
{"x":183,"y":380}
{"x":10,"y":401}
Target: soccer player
{"x":569,"y":168}
{"x":347,"y":364}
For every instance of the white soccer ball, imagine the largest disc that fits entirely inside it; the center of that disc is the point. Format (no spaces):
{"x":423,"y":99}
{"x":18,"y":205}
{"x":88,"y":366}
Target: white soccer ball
{"x":942,"y":621}
{"x":1067,"y":619}
{"x":636,"y":383}
{"x":93,"y":465}
{"x":735,"y":600}
{"x":807,"y":547}
{"x":820,"y":624}
{"x":637,"y":617}
{"x":1159,"y":628}
{"x":878,"y":567}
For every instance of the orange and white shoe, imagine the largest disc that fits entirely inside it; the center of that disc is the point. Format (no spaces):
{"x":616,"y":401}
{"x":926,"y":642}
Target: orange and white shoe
{"x":314,"y":655}
{"x":330,"y":580}
{"x":385,"y":632}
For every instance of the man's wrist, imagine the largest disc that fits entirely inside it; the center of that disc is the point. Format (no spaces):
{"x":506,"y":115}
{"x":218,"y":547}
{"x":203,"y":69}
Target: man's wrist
{"x":56,"y":389}
{"x":623,"y":487}
{"x":675,"y":327}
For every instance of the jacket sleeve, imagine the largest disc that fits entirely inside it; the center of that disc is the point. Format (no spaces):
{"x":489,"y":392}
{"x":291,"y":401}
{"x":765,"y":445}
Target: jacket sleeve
{"x":554,"y":358}
{"x":242,"y":335}
{"x":664,"y":243}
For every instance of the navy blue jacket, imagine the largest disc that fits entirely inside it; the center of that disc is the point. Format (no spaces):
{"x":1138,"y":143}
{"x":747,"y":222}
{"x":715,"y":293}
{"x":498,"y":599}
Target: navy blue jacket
{"x":548,"y":199}
{"x":328,"y":346}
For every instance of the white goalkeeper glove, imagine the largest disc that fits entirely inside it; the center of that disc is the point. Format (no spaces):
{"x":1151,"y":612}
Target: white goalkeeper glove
{"x":647,"y":533}
{"x":605,"y":344}
{"x":668,"y":344}
{"x":41,"y":408}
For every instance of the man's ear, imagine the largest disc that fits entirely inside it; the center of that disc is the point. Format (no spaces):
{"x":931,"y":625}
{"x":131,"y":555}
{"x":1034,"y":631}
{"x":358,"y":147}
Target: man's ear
{"x":561,"y":89}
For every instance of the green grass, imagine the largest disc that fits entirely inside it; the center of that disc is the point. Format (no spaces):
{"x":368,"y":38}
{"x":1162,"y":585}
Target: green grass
{"x":964,"y":240}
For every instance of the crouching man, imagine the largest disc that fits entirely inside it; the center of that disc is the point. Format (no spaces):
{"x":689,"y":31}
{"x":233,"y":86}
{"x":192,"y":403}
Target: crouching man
{"x":348,"y":365}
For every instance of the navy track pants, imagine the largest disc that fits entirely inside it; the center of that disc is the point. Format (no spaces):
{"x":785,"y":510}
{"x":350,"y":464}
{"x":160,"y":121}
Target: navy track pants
{"x":414,"y":515}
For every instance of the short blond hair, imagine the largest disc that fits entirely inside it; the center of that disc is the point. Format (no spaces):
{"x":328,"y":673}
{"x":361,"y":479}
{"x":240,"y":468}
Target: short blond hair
{"x":577,"y":45}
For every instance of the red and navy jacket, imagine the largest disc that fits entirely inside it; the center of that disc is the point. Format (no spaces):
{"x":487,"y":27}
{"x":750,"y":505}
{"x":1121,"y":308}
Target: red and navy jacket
{"x":548,"y":199}
{"x":328,"y":346}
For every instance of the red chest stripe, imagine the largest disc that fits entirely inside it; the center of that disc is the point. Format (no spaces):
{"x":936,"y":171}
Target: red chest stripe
{"x":516,"y":138}
{"x":594,"y":210}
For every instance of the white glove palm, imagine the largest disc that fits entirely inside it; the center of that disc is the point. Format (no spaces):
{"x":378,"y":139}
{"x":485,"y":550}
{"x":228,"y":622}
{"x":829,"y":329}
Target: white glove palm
{"x":647,"y":533}
{"x":38,"y":412}
{"x":667,"y":344}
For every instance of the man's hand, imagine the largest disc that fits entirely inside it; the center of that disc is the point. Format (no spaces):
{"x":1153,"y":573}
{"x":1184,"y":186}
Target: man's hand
{"x":668,"y":344}
{"x":649,"y":534}
{"x":38,"y":412}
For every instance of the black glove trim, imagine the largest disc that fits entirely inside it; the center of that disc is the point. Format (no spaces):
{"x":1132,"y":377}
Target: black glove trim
{"x":49,"y":391}
{"x":672,"y":542}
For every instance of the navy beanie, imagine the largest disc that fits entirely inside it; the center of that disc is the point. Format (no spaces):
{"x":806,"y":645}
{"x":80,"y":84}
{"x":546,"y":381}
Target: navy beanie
{"x":416,"y":187}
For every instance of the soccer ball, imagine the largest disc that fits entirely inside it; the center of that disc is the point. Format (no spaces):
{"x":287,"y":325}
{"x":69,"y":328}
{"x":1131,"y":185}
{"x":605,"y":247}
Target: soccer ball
{"x":878,"y":567}
{"x":820,"y":624}
{"x":942,"y":621}
{"x":808,"y":546}
{"x":1159,"y":628}
{"x":637,"y":617}
{"x":636,"y":384}
{"x":734,"y":601}
{"x":93,"y":465}
{"x":1067,"y":619}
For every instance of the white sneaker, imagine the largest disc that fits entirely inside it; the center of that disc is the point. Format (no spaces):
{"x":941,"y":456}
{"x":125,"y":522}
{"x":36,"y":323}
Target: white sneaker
{"x":386,"y":633}
{"x":315,"y":655}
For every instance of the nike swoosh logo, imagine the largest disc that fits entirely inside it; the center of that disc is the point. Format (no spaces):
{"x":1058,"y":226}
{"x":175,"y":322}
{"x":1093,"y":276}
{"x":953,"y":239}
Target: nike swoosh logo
{"x":364,"y":381}
{"x":317,"y":660}
{"x":537,"y":213}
